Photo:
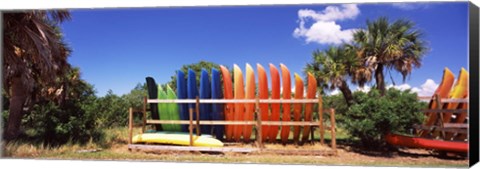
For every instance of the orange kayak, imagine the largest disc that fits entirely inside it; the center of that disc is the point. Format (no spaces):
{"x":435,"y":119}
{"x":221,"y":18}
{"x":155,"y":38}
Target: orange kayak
{"x":275,"y":107}
{"x":297,"y":107}
{"x":263,"y":94}
{"x":227,"y":94}
{"x":287,"y":94}
{"x":239,"y":107}
{"x":443,"y":91}
{"x":249,"y":107}
{"x":311,"y":91}
{"x":460,"y":91}
{"x":407,"y":141}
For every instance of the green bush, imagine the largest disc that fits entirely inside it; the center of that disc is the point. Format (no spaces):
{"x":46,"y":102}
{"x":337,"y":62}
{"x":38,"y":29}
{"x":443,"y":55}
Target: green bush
{"x":374,"y":115}
{"x":338,"y":103}
{"x":72,"y":120}
{"x":112,"y":111}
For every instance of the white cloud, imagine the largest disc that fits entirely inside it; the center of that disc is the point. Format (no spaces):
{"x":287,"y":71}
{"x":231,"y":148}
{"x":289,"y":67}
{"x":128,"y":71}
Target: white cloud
{"x":335,"y":92}
{"x":402,"y":87}
{"x":426,"y":89}
{"x":324,"y":29}
{"x":409,"y":6}
{"x":364,"y":89}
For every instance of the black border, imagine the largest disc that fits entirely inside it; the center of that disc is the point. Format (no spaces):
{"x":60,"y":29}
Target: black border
{"x":473,"y":84}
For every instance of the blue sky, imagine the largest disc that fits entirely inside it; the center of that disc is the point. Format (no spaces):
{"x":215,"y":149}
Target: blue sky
{"x":117,"y":48}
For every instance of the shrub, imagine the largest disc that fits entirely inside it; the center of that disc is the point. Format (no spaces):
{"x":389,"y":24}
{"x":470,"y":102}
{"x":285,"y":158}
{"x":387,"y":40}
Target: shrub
{"x":338,"y":103}
{"x":72,"y":120}
{"x":374,"y":115}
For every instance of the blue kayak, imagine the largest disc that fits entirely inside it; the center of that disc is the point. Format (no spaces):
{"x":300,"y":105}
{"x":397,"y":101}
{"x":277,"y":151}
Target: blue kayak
{"x":205,"y":109}
{"x":217,"y":109}
{"x":182,"y":94}
{"x":192,"y":90}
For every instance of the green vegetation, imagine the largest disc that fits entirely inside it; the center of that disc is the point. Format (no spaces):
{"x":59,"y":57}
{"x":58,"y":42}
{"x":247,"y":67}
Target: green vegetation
{"x":389,"y":46}
{"x":53,"y":113}
{"x":374,"y":115}
{"x":197,"y":68}
{"x":34,"y":62}
{"x":381,"y":47}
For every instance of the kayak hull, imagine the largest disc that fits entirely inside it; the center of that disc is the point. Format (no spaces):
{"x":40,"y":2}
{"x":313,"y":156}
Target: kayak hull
{"x":249,"y":107}
{"x":416,"y":142}
{"x":176,"y":139}
{"x":228,"y":107}
{"x":239,"y":93}
{"x":297,"y":107}
{"x":182,"y":94}
{"x":443,"y":91}
{"x":263,"y":94}
{"x":217,"y":109}
{"x":286,"y":94}
{"x":311,"y":91}
{"x":275,"y":107}
{"x":205,"y":108}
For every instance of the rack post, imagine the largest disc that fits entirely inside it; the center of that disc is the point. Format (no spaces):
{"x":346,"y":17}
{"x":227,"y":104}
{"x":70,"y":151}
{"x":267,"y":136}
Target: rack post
{"x":197,"y":110}
{"x":439,"y":107}
{"x":130,"y":125}
{"x":259,"y":124}
{"x":332,"y":130}
{"x":190,"y":127}
{"x":144,"y":114}
{"x":320,"y":119}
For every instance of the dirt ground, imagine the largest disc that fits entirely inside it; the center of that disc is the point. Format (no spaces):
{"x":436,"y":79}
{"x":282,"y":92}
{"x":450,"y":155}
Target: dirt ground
{"x":345,"y":156}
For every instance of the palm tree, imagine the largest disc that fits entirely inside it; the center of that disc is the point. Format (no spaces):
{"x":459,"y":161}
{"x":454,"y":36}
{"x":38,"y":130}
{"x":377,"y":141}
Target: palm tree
{"x":392,"y":46}
{"x":34,"y":56}
{"x":334,"y":66}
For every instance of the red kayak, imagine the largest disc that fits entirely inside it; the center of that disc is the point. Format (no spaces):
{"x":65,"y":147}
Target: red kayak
{"x":407,"y":141}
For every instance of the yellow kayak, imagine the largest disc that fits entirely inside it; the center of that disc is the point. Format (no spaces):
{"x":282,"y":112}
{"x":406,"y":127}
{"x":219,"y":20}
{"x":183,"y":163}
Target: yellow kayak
{"x":176,"y":139}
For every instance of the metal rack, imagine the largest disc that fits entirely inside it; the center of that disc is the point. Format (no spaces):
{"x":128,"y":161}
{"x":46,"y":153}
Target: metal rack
{"x":258,"y":123}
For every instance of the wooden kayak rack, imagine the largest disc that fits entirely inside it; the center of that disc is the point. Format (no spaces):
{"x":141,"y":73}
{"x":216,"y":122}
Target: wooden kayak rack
{"x":444,"y":130}
{"x":259,"y":146}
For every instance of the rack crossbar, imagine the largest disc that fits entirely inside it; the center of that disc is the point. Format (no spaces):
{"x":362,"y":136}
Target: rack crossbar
{"x":232,"y":101}
{"x":427,"y":99}
{"x":218,"y":122}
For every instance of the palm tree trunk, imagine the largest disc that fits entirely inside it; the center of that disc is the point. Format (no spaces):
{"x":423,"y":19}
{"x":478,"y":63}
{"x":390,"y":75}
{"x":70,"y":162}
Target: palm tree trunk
{"x":17,"y":100}
{"x":347,"y":93}
{"x":379,"y":78}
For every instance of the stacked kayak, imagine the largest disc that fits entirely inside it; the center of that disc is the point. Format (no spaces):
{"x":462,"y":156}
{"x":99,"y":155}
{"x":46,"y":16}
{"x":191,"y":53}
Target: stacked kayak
{"x":427,"y":139}
{"x":177,"y":139}
{"x":221,"y":84}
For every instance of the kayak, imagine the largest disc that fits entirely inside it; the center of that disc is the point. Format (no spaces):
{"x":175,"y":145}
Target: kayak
{"x":192,"y":91}
{"x":205,"y":108}
{"x":311,"y":91}
{"x":297,"y":107}
{"x":287,"y":94}
{"x":249,"y":107}
{"x":275,"y":107}
{"x":239,"y":93}
{"x":153,"y":94}
{"x":162,"y":109}
{"x":459,"y":91}
{"x":228,"y":108}
{"x":415,"y":142}
{"x":263,"y":94}
{"x":442,"y":90}
{"x":176,"y":139}
{"x":217,"y":109}
{"x":172,"y":109}
{"x":182,"y":94}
